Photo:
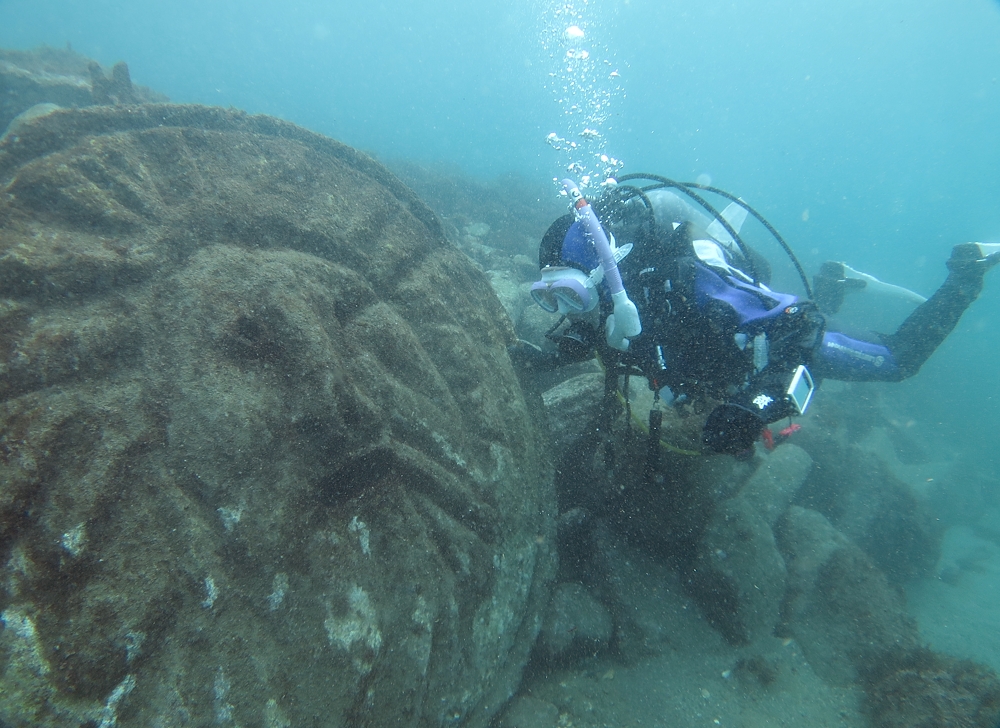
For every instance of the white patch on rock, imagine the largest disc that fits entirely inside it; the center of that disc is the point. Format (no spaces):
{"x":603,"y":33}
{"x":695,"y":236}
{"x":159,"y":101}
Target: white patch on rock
{"x":359,"y":626}
{"x":273,"y":717}
{"x":364,"y":535}
{"x":278,"y":588}
{"x":27,"y":647}
{"x":74,"y":540}
{"x":230,"y":516}
{"x":420,"y":639}
{"x":133,"y":644}
{"x":448,"y":451}
{"x":211,"y":593}
{"x":223,"y":708}
{"x":109,"y":711}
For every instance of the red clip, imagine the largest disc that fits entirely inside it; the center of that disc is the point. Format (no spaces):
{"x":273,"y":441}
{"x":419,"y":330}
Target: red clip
{"x":768,"y":438}
{"x":771,"y":440}
{"x":790,"y":430}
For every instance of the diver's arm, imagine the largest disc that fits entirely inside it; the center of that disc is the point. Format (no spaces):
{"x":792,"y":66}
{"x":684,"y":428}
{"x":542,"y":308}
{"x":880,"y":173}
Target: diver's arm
{"x":576,"y":344}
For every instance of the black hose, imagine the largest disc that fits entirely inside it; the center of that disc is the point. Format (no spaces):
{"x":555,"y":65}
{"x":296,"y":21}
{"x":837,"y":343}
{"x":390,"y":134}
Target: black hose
{"x":653,"y":445}
{"x":760,"y":218}
{"x":665,"y":182}
{"x":624,"y":193}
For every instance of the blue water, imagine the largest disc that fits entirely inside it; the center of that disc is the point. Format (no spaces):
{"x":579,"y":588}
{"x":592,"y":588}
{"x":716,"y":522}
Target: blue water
{"x":876,"y":118}
{"x":865,"y":131}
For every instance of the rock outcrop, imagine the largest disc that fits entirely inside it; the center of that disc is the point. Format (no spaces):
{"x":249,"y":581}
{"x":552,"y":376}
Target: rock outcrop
{"x":738,"y":574}
{"x":576,"y":625}
{"x":32,"y":81}
{"x":264,"y":460}
{"x":840,"y":607}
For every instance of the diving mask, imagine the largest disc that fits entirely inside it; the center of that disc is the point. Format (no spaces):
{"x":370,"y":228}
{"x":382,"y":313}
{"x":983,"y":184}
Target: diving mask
{"x":566,"y":290}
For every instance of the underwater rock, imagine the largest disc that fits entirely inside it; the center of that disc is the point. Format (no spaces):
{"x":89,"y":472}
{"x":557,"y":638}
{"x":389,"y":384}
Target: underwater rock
{"x":64,"y":78}
{"x":575,"y":625}
{"x":25,"y":117}
{"x":776,"y":480}
{"x":525,"y":711}
{"x":738,"y":574}
{"x":853,"y":627}
{"x":46,"y":75}
{"x":263,"y":455}
{"x":863,"y":499}
{"x":509,"y":292}
{"x":918,"y":688}
{"x":840,"y":608}
{"x":571,"y":408}
{"x":113,"y":88}
{"x":651,"y":610}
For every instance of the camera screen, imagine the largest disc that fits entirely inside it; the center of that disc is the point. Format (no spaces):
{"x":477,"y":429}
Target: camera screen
{"x":801,"y":389}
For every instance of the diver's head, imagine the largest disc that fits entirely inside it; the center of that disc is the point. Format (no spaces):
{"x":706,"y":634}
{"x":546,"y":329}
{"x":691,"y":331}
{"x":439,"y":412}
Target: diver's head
{"x":566,"y":255}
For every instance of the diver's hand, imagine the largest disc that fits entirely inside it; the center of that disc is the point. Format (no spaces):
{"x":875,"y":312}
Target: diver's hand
{"x":525,"y":355}
{"x":731,"y":429}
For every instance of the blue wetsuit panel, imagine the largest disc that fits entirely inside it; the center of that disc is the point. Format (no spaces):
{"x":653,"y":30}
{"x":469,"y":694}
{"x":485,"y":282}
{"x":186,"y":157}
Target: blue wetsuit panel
{"x":579,"y":249}
{"x":853,"y":360}
{"x":748,"y":301}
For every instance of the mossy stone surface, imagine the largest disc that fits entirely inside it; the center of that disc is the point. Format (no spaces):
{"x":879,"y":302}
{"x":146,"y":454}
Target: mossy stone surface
{"x":264,"y":460}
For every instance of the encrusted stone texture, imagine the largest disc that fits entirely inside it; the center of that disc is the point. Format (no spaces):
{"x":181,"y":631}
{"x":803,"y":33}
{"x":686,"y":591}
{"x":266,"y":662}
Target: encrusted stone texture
{"x":46,"y":76}
{"x":264,"y":460}
{"x":840,"y":608}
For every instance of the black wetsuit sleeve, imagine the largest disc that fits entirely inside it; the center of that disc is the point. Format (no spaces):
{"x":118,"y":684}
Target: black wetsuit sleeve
{"x":575,"y":344}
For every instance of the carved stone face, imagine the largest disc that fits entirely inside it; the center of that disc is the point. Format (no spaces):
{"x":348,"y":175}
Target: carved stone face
{"x":262,"y":444}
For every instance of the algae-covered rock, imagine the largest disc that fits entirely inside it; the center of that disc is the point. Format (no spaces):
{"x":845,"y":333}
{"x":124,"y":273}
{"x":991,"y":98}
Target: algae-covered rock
{"x":738,"y":575}
{"x":576,"y":624}
{"x":45,"y":77}
{"x":853,"y":627}
{"x":264,"y":460}
{"x":840,"y":608}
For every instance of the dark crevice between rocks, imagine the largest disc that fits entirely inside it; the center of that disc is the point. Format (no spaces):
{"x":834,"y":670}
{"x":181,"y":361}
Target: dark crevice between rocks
{"x":59,"y":457}
{"x":460,"y":551}
{"x":361,"y":472}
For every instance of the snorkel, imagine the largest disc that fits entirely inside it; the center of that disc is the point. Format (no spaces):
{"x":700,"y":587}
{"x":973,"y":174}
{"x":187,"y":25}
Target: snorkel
{"x":624,"y":322}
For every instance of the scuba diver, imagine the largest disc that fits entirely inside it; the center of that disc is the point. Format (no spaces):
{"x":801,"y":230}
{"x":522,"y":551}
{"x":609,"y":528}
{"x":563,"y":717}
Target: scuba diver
{"x":660,"y":285}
